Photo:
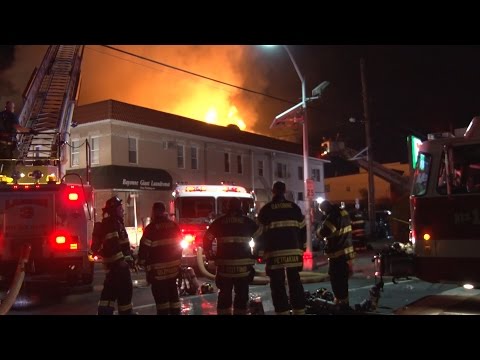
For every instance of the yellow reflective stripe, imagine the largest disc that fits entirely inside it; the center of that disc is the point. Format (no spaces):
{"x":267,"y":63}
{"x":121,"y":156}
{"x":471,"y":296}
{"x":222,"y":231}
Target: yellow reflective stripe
{"x":357,"y":222}
{"x":234,"y":239}
{"x":341,"y":252}
{"x":302,"y":224}
{"x":330,"y":226}
{"x":162,"y":242}
{"x":345,"y":230}
{"x":344,"y":213}
{"x":106,"y":303}
{"x":285,"y":265}
{"x":163,"y":306}
{"x":175,"y":305}
{"x":283,"y":312}
{"x":258,"y":232}
{"x":164,"y":265}
{"x":113,"y":258}
{"x":125,"y":307}
{"x":230,"y":275}
{"x":284,"y":223}
{"x":275,"y":253}
{"x":146,"y":242}
{"x":111,"y":235}
{"x":234,"y":261}
{"x":164,"y":277}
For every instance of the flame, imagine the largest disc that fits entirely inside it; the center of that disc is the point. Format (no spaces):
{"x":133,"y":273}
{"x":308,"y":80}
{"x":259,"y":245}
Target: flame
{"x":172,"y":91}
{"x":212,"y":116}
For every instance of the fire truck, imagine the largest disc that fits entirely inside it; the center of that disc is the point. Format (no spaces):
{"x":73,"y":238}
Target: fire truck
{"x":445,"y":213}
{"x":38,"y":204}
{"x":194,"y":207}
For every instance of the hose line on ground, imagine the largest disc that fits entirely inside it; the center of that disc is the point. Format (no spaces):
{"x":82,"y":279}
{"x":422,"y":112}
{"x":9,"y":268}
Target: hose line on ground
{"x":17,"y":282}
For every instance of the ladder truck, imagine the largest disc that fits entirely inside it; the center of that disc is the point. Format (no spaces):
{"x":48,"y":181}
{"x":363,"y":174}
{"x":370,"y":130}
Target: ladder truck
{"x":39,"y":207}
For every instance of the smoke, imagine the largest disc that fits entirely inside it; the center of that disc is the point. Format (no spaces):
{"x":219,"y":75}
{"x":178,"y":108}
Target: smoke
{"x":108,"y":74}
{"x":16,"y":67}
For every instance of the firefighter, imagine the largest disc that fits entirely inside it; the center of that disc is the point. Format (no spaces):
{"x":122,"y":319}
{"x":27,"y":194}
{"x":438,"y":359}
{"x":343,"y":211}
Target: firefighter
{"x":160,"y":252}
{"x":337,"y":230}
{"x":112,"y":243}
{"x":281,"y":237}
{"x":9,"y":126}
{"x":358,"y":227}
{"x":233,"y":233}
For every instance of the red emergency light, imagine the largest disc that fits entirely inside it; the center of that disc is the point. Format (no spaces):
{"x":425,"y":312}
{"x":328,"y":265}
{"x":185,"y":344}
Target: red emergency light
{"x":63,"y":241}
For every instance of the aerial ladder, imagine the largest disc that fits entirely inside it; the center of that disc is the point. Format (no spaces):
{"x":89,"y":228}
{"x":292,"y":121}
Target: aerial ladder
{"x":50,"y":98}
{"x":338,"y":148}
{"x":46,"y":222}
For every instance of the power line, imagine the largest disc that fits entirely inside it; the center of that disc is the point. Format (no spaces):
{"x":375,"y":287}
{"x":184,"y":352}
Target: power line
{"x":196,"y":74}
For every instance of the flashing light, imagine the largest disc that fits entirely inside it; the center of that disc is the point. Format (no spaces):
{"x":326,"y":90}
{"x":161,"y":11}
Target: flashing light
{"x":426,"y":237}
{"x":60,"y":239}
{"x":73,"y":196}
{"x":26,"y":187}
{"x":411,"y":237}
{"x":189,"y":238}
{"x":51,"y":178}
{"x":22,"y":175}
{"x":251,"y":243}
{"x":320,"y":199}
{"x":73,"y":246}
{"x":183,"y":244}
{"x":468,"y":286}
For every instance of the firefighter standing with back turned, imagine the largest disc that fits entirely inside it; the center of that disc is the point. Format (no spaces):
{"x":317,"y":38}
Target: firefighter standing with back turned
{"x":337,"y":229}
{"x":233,"y":257}
{"x":111,"y":242}
{"x":281,"y":237}
{"x":161,"y":253}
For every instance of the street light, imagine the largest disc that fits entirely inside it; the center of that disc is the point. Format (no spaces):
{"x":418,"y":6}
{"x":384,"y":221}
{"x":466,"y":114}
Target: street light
{"x":308,"y":257}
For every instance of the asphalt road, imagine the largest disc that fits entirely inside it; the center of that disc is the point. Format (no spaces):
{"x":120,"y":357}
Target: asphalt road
{"x":409,"y":296}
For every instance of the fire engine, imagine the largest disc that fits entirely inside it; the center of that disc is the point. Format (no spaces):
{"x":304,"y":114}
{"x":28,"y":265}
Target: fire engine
{"x":445,"y":213}
{"x":38,"y":204}
{"x":194,"y":207}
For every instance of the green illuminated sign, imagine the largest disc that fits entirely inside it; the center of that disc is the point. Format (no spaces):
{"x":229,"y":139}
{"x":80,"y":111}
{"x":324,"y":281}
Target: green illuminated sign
{"x":415,"y":147}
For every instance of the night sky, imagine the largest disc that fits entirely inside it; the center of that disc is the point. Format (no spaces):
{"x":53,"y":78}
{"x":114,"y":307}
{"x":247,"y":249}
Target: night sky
{"x":412,"y":89}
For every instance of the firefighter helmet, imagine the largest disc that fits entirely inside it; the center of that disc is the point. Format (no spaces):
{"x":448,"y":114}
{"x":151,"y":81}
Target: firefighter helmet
{"x":206,"y":288}
{"x":112,"y":203}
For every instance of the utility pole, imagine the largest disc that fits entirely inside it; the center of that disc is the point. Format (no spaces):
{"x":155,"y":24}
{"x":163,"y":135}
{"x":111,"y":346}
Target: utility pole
{"x":368,"y":135}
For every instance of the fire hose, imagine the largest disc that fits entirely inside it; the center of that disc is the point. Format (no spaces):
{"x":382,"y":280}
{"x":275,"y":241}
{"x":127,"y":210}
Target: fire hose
{"x":261,"y":278}
{"x":17,"y":282}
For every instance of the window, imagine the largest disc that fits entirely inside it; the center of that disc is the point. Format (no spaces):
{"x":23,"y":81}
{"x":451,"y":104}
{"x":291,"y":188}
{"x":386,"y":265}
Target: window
{"x":37,"y":151}
{"x":300,"y":173}
{"x":463,"y":170}
{"x":300,"y":196}
{"x":95,"y":150}
{"x":281,"y":170}
{"x":194,"y":158}
{"x":132,"y":150}
{"x":75,"y":153}
{"x":239,"y":164}
{"x":226,"y":157}
{"x":316,"y":174}
{"x":260,"y":167}
{"x":420,"y":178}
{"x":181,"y":156}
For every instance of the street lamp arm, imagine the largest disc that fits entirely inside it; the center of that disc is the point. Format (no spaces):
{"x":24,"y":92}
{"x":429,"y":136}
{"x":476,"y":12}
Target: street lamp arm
{"x":294,"y":63}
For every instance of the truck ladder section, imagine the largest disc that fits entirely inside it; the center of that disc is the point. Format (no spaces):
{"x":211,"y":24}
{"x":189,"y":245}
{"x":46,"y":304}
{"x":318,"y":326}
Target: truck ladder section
{"x":393,"y":177}
{"x":49,"y":103}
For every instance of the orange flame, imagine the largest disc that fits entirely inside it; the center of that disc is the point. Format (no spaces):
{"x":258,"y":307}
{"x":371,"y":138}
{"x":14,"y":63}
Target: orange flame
{"x":110,"y":75}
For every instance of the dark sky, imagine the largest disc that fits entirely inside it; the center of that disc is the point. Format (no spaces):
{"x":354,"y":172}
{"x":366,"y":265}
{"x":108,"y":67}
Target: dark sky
{"x":412,"y":89}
